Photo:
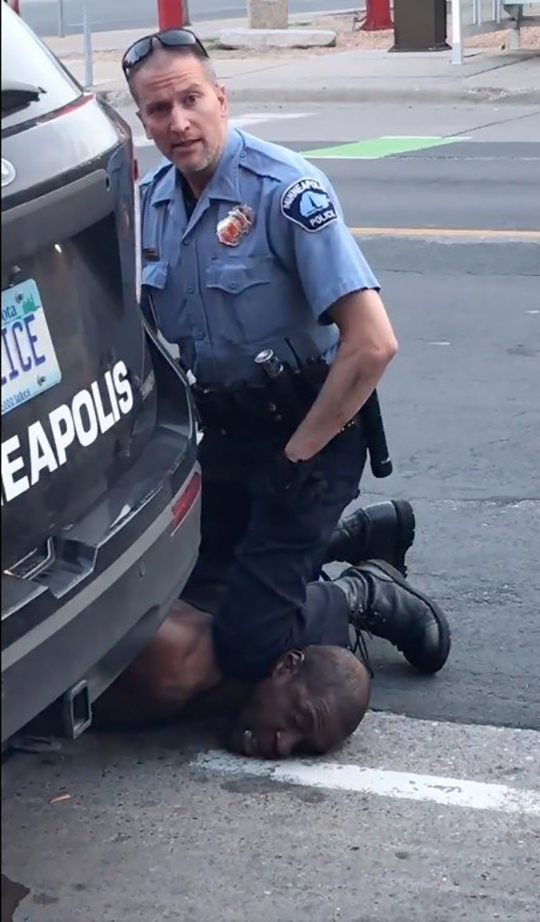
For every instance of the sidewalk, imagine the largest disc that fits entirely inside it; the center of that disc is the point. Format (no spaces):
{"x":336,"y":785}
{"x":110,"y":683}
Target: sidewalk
{"x":332,"y":77}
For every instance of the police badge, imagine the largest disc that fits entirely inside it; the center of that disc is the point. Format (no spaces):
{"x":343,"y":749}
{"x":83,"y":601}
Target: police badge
{"x":236,"y":225}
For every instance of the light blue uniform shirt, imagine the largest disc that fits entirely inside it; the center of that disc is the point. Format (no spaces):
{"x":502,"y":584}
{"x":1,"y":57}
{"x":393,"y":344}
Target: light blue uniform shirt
{"x":223,"y":304}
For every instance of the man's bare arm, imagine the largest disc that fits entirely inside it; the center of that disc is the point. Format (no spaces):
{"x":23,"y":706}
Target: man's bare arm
{"x":367,"y":345}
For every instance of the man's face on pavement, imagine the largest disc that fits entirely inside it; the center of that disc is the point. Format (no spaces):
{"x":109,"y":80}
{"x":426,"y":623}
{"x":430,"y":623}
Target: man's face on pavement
{"x":279,"y":720}
{"x":183,"y":111}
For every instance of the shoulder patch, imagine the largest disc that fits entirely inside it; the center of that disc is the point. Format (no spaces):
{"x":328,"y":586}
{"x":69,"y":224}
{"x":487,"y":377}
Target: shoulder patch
{"x":307,"y":203}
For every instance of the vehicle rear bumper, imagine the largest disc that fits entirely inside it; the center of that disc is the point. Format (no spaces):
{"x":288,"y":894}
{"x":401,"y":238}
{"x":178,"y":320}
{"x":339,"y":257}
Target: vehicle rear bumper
{"x":98,"y":630}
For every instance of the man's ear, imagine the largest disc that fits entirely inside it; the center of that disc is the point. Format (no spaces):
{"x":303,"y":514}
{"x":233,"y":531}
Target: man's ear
{"x":223,"y":99}
{"x":289,"y":663}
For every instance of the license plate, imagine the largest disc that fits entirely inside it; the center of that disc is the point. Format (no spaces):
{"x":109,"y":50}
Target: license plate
{"x":29,"y":363}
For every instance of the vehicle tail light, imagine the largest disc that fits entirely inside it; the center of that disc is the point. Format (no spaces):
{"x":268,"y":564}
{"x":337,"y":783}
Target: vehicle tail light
{"x":81,"y":100}
{"x":185,"y":502}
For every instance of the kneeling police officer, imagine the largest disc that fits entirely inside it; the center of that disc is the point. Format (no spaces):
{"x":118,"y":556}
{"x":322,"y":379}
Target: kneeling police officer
{"x":249,"y":268}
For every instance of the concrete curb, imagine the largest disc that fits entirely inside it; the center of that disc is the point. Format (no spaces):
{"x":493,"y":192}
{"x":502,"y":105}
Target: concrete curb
{"x":264,"y":39}
{"x":383,"y":94}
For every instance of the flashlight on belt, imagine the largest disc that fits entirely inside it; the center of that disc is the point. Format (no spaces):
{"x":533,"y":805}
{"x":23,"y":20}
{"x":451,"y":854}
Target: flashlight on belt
{"x":282,"y":390}
{"x":269,"y":363}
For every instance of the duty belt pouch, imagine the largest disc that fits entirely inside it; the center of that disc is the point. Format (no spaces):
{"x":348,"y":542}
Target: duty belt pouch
{"x":243,"y":413}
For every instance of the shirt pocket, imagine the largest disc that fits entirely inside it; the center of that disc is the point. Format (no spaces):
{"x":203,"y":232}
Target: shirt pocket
{"x":163,"y":305}
{"x":155,"y":275}
{"x":242,"y":297}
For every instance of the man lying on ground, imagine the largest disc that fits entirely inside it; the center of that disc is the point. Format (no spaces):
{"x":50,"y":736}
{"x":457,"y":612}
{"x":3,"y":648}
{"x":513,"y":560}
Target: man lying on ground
{"x":312,"y":701}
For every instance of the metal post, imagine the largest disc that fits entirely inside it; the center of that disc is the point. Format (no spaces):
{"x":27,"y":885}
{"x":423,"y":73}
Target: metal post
{"x":87,"y":39}
{"x":515,"y":35}
{"x":378,"y":16}
{"x":457,"y":33}
{"x":171,"y":14}
{"x":61,"y":19}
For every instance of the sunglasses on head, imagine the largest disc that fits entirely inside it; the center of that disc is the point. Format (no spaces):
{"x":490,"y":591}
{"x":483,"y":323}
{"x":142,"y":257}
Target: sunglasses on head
{"x":171,"y":38}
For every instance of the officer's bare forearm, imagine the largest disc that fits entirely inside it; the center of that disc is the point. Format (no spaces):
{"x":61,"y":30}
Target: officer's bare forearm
{"x":345,"y":391}
{"x":367,"y":347}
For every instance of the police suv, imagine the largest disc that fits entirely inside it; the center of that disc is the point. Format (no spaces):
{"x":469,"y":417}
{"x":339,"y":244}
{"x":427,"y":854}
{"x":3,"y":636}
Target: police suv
{"x":100,"y":483}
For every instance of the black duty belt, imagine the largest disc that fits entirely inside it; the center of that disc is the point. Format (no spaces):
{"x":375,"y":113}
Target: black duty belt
{"x":268,"y":411}
{"x":246,"y":410}
{"x":274,"y":407}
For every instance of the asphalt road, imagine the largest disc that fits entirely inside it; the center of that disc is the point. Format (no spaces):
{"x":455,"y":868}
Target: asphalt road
{"x":44,"y":15}
{"x":431,"y":813}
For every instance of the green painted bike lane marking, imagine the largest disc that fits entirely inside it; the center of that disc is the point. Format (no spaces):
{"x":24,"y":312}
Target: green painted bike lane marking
{"x":376,"y":148}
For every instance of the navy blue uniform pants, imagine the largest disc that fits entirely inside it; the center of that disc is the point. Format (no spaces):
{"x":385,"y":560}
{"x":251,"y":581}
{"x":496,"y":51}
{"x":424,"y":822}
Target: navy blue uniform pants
{"x":270,"y":560}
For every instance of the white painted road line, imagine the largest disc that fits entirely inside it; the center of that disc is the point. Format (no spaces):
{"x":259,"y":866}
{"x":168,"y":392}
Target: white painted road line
{"x":334,"y":776}
{"x":258,"y":118}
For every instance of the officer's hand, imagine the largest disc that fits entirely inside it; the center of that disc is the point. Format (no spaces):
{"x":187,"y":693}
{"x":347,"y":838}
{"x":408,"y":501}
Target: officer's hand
{"x":295,"y":486}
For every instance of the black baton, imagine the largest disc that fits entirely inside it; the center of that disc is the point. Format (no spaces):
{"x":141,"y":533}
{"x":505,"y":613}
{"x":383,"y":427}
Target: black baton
{"x":379,"y":456}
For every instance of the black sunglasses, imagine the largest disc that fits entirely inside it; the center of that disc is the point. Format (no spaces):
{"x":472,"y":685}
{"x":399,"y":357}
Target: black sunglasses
{"x":171,"y":38}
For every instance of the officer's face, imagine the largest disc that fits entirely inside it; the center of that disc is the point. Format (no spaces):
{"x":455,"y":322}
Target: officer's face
{"x":279,"y":720}
{"x":183,"y":111}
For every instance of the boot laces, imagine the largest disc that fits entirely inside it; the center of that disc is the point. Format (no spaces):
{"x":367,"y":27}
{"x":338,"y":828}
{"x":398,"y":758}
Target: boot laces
{"x":360,"y":649}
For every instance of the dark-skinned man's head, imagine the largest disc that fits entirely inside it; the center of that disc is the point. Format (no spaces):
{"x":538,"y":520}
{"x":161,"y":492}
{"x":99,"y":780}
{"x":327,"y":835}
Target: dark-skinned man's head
{"x":311,"y":703}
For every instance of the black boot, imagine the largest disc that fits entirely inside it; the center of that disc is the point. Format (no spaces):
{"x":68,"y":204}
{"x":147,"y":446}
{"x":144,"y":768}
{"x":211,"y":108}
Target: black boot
{"x":384,"y":531}
{"x":383,"y":603}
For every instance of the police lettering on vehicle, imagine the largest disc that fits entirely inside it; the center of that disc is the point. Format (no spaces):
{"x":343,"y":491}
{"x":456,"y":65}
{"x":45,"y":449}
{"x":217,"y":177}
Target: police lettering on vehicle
{"x":306,"y":202}
{"x":45,"y":446}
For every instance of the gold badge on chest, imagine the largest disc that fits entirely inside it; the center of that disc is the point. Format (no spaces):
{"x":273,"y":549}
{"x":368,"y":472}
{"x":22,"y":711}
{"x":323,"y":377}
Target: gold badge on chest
{"x":235,"y":225}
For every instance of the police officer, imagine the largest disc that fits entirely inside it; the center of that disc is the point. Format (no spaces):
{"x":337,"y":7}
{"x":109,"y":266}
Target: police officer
{"x":245,"y":250}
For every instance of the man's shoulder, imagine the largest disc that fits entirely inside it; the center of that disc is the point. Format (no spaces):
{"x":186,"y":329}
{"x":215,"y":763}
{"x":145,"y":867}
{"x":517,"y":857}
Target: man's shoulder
{"x":276,"y":162}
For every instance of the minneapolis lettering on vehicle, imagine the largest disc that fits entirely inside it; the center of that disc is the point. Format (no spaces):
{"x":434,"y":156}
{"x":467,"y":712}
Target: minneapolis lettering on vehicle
{"x":46,"y":445}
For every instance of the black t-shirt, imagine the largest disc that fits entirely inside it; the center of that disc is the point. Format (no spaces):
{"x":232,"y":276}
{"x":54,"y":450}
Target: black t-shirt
{"x":190,"y":201}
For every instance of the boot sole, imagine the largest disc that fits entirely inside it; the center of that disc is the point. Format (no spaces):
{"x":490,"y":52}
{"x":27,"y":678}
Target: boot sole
{"x":407,"y":529}
{"x":445,"y":633}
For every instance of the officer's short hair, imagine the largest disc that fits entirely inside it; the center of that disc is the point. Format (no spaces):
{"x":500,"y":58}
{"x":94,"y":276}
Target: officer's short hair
{"x":337,"y":677}
{"x":179,"y":51}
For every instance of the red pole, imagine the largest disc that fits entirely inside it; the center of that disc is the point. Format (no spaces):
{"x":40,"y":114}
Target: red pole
{"x":171,"y":14}
{"x":378,"y":16}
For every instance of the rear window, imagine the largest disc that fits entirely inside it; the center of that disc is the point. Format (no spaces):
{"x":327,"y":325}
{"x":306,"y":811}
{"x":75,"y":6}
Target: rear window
{"x":26,"y":60}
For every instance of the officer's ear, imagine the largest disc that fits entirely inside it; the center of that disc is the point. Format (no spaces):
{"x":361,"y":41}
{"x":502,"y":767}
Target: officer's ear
{"x":221,"y":94}
{"x":288,"y":664}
